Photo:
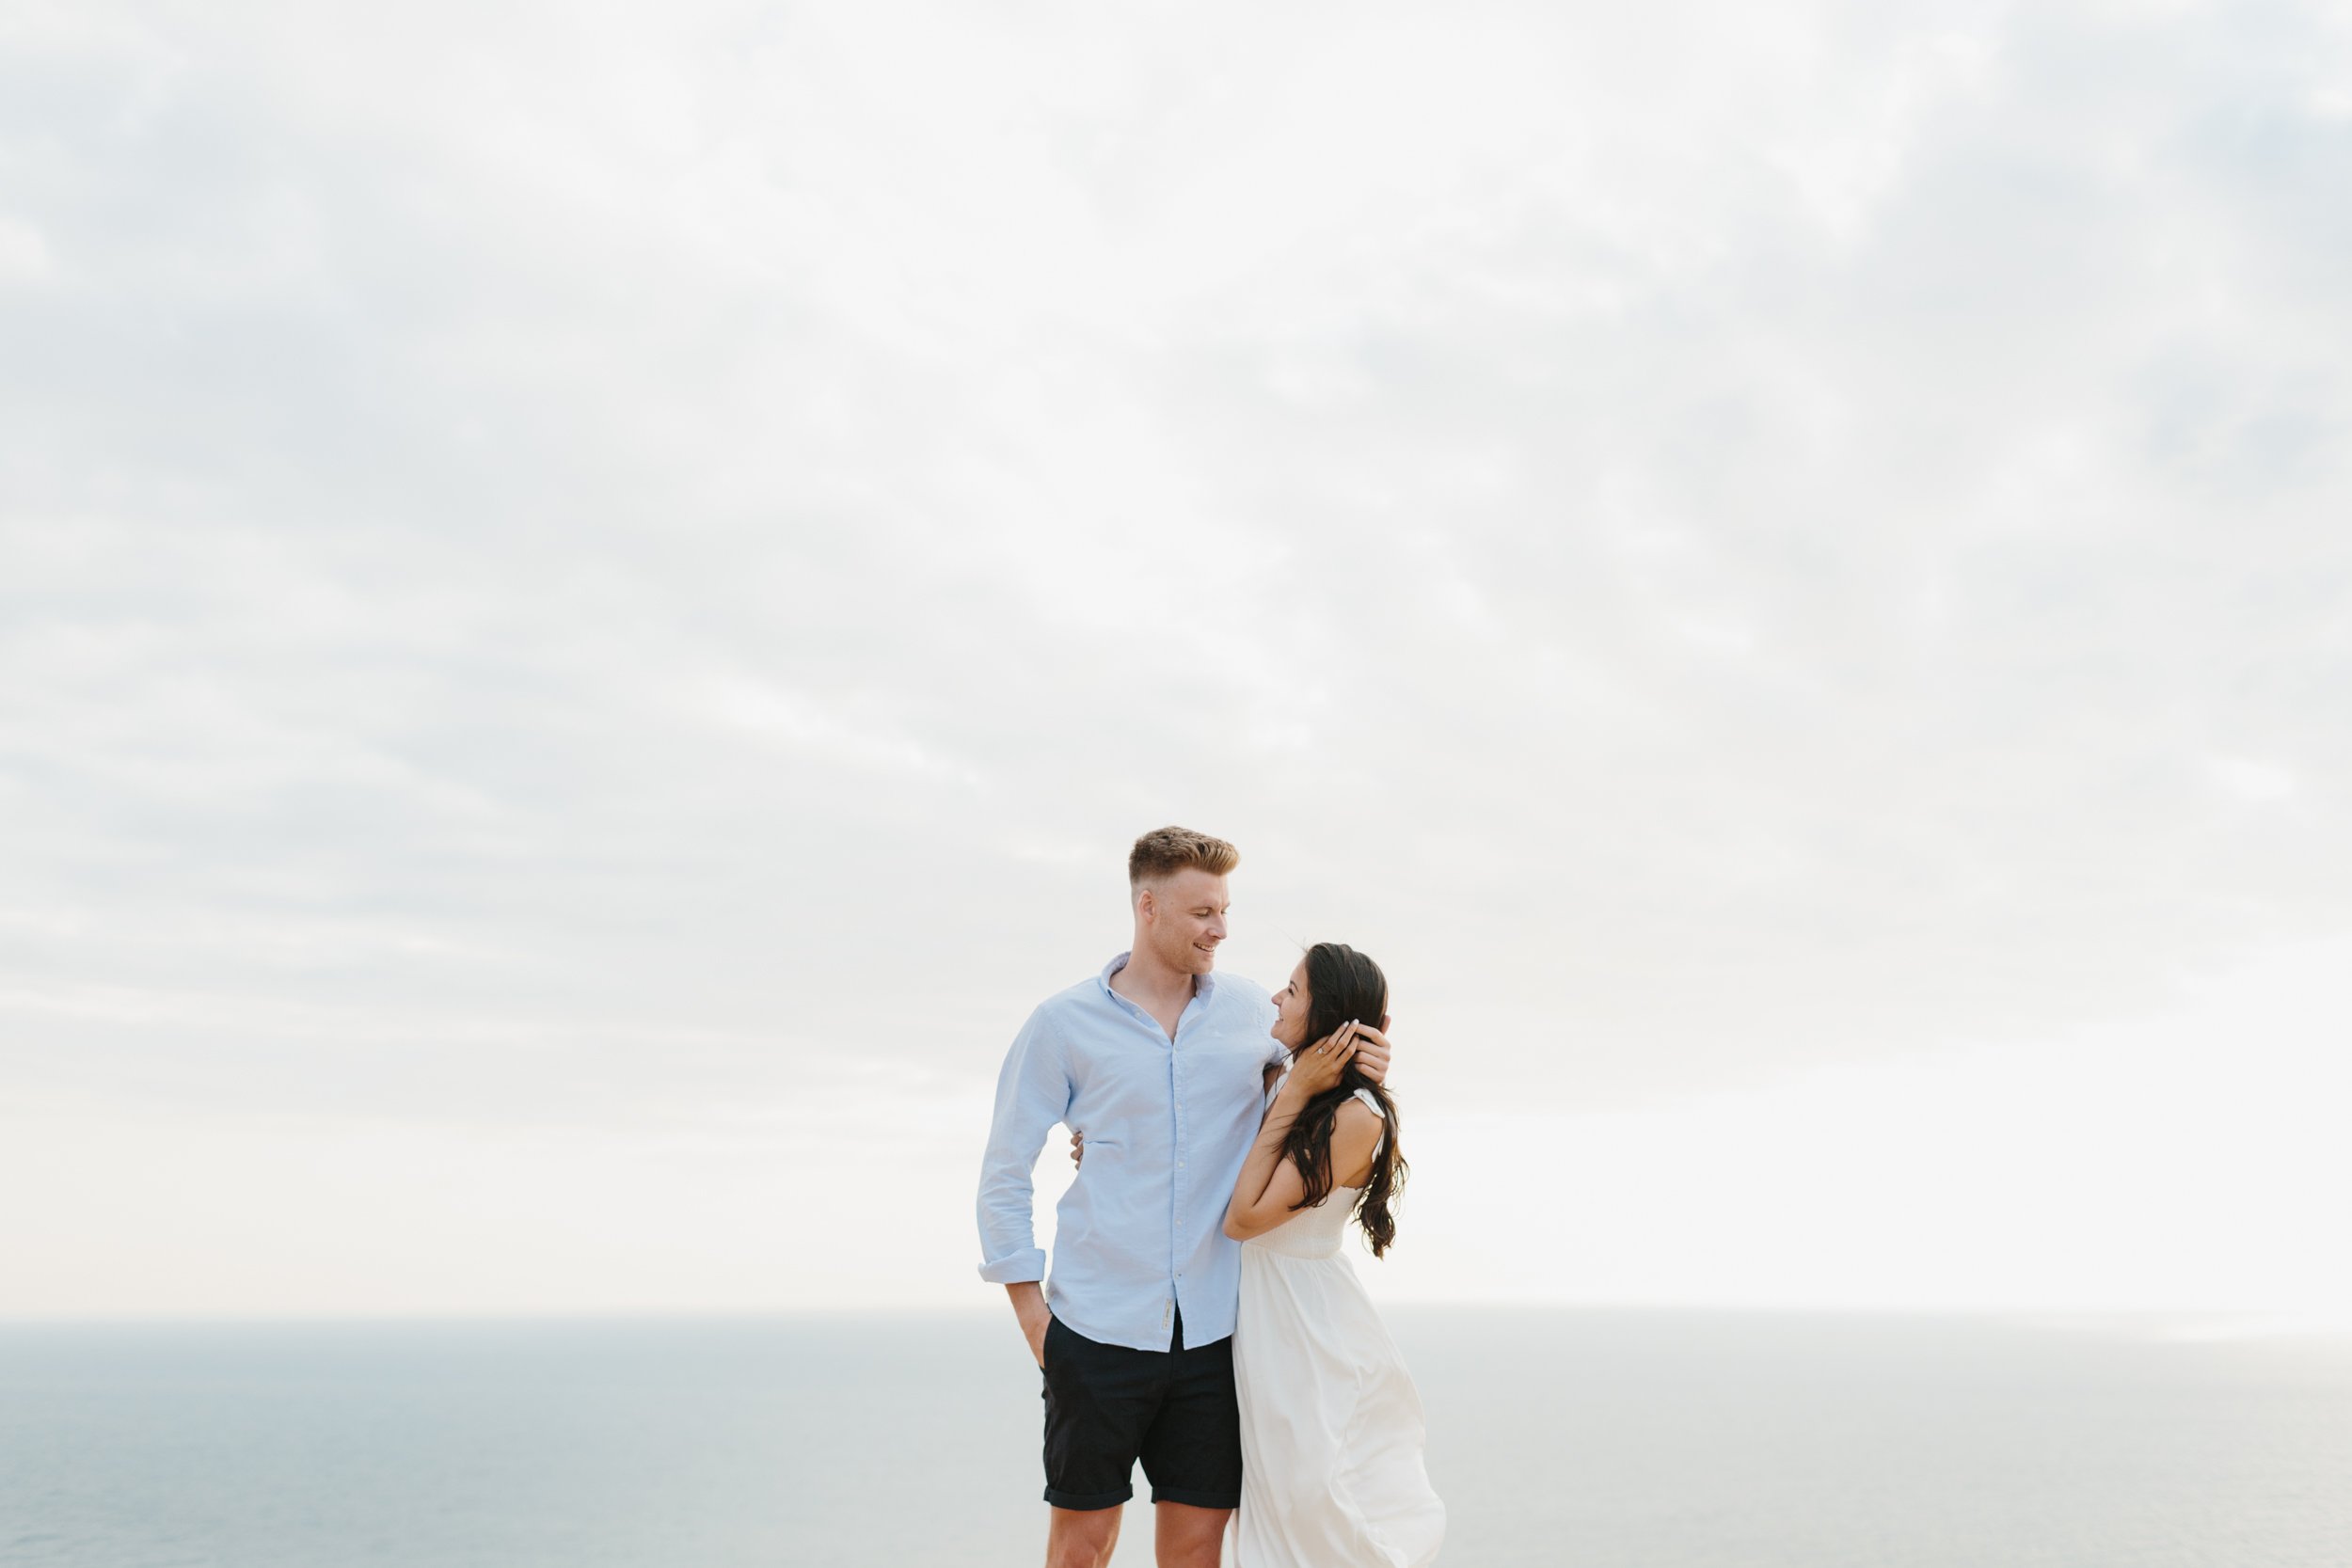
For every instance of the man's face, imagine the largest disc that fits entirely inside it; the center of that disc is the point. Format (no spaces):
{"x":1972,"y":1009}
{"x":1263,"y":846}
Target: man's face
{"x":1184,"y":919}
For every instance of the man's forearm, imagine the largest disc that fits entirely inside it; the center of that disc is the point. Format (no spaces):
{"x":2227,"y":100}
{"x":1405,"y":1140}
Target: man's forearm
{"x":1009,"y":1249}
{"x":1028,"y":1305}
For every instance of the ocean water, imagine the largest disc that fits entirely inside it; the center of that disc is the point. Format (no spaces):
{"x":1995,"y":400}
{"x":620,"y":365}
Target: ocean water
{"x":1610,"y":1439}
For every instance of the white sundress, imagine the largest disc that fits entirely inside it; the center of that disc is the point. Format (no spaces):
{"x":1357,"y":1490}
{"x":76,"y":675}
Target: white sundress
{"x":1332,"y":1429}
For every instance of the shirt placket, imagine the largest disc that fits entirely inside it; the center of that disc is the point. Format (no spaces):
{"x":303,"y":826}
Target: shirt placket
{"x":1184,"y":1175}
{"x":1176,"y":1059}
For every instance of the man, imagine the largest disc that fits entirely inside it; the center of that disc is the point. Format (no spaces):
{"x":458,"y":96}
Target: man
{"x":1160,"y":1066}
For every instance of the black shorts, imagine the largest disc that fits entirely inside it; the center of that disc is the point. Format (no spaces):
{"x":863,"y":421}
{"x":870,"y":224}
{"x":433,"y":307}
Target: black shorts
{"x":1107,"y":1406}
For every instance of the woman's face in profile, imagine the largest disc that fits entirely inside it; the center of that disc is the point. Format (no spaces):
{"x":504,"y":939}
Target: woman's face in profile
{"x":1291,"y":1001}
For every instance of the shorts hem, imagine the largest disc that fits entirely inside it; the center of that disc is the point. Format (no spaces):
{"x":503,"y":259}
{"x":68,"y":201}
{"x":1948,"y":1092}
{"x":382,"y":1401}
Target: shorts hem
{"x":1195,"y":1499}
{"x":1088,"y":1502}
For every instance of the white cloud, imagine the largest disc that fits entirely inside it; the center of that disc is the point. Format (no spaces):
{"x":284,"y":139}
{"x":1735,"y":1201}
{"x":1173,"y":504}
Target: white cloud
{"x":564,"y":565}
{"x":2186,"y":1159}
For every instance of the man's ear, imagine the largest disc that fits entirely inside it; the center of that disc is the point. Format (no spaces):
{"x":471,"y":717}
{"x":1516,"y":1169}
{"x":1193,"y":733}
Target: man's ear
{"x":1145,"y":905}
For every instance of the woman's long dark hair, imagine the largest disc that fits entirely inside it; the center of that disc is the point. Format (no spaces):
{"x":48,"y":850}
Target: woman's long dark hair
{"x":1342,"y":984}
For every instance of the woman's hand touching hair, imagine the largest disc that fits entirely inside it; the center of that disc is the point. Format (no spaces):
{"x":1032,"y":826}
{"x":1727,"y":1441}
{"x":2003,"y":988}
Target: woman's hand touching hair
{"x":1320,"y":1066}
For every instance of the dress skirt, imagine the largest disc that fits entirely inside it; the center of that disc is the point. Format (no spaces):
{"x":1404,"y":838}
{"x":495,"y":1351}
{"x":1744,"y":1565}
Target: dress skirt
{"x":1332,"y":1429}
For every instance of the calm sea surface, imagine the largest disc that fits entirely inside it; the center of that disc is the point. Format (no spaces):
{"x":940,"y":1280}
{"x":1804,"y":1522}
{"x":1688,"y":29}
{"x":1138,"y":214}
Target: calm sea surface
{"x":1615,"y":1440}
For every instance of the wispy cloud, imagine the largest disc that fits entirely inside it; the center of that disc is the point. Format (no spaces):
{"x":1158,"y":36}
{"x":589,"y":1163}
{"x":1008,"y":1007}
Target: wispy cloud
{"x":562,"y":563}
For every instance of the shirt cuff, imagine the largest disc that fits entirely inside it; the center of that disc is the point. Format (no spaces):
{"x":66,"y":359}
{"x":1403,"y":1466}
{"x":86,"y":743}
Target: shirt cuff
{"x":1020,"y":1266}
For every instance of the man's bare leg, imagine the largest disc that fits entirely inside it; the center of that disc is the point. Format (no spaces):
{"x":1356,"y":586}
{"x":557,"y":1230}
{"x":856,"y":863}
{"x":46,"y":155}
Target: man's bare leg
{"x":1187,"y":1537}
{"x":1084,"y":1538}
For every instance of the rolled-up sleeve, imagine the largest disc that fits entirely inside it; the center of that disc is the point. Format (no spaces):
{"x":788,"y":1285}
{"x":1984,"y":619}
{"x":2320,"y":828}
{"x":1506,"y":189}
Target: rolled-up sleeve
{"x":1032,"y":1094}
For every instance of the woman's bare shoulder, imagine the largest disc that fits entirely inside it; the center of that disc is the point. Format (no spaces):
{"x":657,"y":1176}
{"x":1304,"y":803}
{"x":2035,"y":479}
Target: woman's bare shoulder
{"x":1356,"y":1131}
{"x":1356,"y":1119}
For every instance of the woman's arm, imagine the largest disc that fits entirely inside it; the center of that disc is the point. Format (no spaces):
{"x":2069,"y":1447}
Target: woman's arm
{"x":1268,"y":1184}
{"x":1355,"y":1133}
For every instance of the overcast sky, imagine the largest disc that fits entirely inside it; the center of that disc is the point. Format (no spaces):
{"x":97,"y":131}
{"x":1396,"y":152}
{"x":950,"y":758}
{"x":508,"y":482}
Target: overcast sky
{"x":593,"y":596}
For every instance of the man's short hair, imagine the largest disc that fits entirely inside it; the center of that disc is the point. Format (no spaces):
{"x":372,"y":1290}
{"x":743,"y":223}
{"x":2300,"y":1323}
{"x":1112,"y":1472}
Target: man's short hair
{"x":1165,"y":850}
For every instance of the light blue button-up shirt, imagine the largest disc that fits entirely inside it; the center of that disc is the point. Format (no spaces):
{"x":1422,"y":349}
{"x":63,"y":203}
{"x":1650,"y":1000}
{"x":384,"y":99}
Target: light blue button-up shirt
{"x":1141,"y":1235}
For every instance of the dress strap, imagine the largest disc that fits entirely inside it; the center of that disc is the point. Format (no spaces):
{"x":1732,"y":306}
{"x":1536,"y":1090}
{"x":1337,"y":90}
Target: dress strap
{"x":1367,"y":1096}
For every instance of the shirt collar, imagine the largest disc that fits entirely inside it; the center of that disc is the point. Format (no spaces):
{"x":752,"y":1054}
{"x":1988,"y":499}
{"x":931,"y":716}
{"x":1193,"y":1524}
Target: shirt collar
{"x":1204,"y":986}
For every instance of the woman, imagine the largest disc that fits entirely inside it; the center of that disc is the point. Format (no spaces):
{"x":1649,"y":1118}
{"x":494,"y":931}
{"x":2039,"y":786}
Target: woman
{"x":1331,"y":1426}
